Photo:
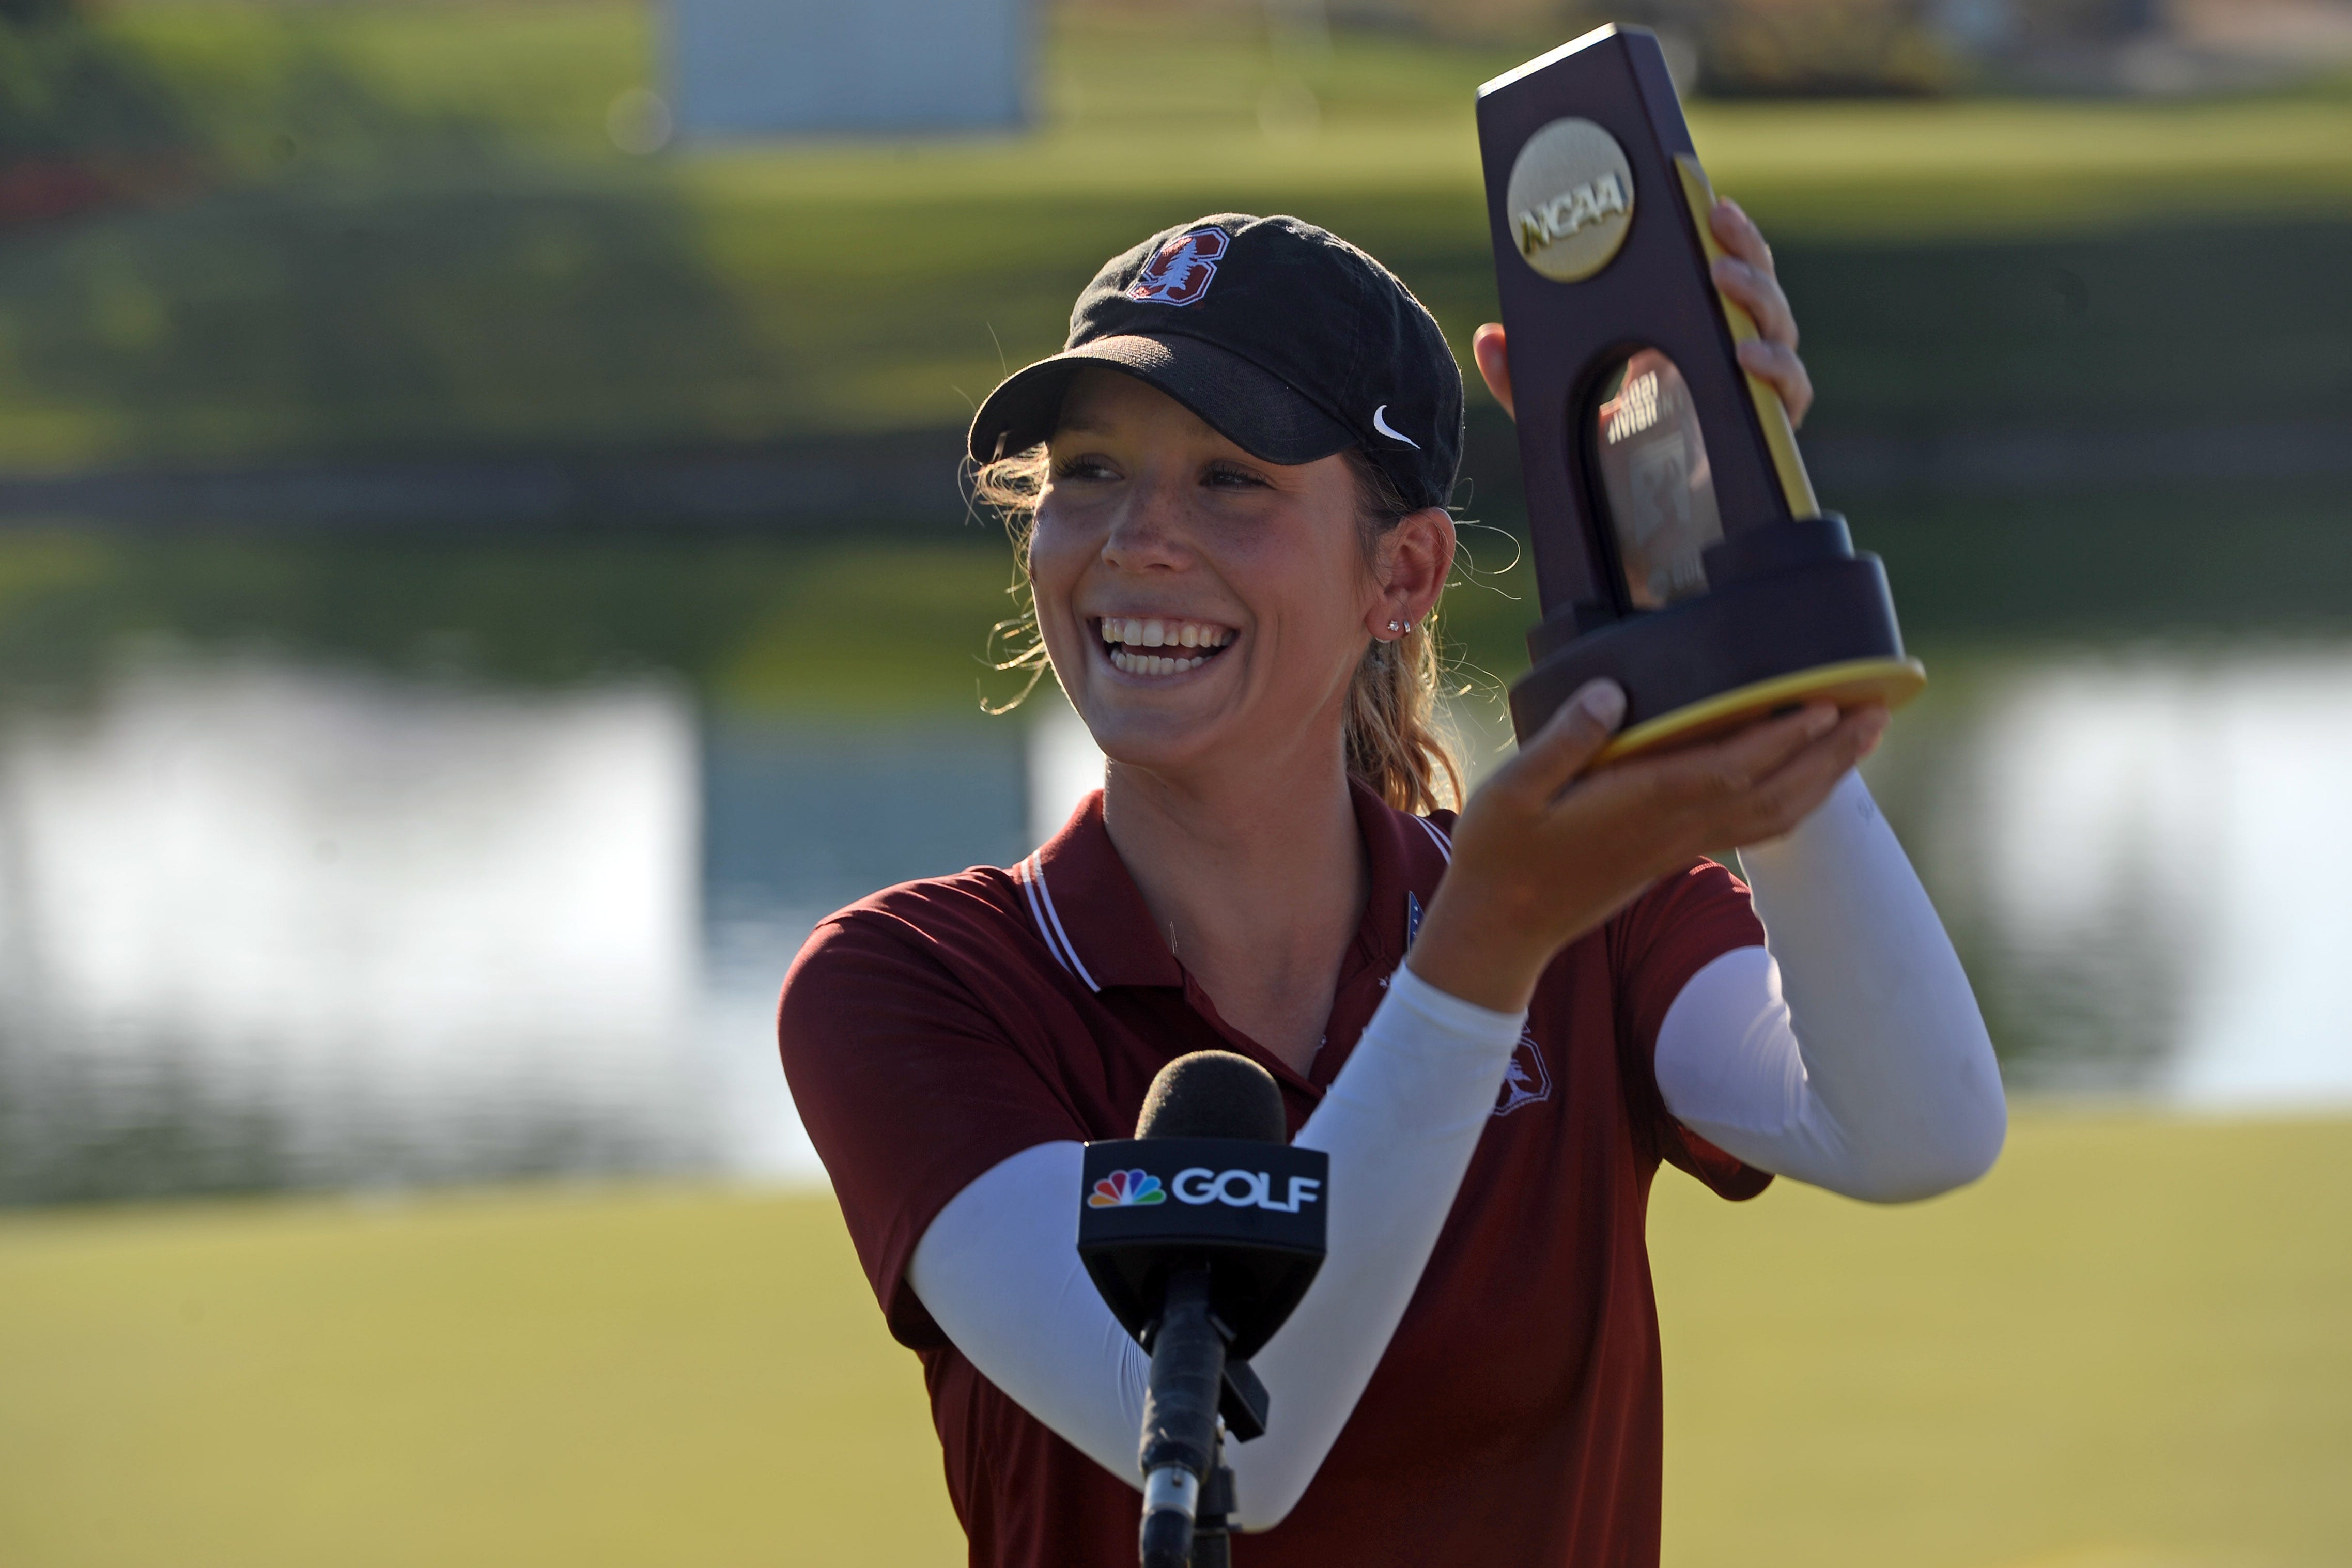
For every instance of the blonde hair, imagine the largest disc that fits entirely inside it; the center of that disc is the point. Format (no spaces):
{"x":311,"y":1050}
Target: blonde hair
{"x":1395,"y":738}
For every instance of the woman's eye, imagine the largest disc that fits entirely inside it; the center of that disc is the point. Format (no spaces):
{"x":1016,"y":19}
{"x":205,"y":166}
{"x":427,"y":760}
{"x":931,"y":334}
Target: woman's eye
{"x":1223,"y":476}
{"x":1083,"y":469}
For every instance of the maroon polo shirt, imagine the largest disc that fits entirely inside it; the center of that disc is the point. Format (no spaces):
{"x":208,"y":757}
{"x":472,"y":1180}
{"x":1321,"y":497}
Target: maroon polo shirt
{"x":940,"y":1027}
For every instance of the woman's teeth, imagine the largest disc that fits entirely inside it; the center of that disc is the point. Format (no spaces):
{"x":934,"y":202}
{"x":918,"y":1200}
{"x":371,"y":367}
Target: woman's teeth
{"x":1129,"y":637}
{"x":1151,"y":663}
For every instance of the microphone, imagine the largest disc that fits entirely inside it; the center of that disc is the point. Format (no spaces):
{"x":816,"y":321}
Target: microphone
{"x":1202,"y":1282}
{"x":1213,"y":1094}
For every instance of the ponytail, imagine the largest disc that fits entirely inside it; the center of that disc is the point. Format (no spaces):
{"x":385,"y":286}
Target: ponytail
{"x":1395,"y":744}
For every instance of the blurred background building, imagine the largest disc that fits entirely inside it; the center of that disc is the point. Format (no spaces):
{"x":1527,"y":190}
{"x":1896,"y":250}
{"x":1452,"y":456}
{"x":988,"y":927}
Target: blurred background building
{"x":766,"y":68}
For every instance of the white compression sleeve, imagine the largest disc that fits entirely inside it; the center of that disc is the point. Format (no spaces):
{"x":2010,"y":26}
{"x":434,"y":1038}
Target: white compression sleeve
{"x":1874,"y":1077}
{"x":999,"y":1271}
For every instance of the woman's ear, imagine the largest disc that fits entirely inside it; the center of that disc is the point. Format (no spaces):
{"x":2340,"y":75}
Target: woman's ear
{"x":1416,"y":557}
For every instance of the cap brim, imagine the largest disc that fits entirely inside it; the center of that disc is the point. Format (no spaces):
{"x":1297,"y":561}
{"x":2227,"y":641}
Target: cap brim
{"x":1254,"y":409}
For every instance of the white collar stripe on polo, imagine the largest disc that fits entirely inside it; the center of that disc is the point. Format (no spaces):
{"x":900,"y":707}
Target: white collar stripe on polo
{"x":1049,"y":921}
{"x":1028,"y":879}
{"x":1444,"y":845}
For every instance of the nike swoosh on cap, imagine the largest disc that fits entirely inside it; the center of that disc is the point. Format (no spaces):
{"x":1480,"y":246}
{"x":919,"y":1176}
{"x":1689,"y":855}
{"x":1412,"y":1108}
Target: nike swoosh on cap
{"x":1382,"y":426}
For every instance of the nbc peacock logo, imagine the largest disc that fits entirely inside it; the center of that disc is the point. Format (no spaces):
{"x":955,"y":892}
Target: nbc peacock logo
{"x":1126,"y":1189}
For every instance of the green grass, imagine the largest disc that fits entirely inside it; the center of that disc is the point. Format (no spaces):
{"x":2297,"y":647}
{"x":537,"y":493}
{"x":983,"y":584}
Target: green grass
{"x":598,"y":1378}
{"x":2125,"y":1349}
{"x":415,"y":235}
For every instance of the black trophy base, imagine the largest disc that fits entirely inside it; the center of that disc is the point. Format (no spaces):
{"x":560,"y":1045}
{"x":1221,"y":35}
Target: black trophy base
{"x":1794,"y":617}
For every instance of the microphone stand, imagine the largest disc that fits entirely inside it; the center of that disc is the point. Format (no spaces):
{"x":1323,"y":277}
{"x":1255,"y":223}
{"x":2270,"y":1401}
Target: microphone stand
{"x":1188,"y":1487}
{"x":1213,"y":1526}
{"x":1212,"y":1529}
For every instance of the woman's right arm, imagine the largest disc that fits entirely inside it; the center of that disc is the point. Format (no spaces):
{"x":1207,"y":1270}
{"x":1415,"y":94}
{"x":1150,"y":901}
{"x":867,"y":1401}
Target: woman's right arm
{"x":998,"y":1270}
{"x":1540,"y":857}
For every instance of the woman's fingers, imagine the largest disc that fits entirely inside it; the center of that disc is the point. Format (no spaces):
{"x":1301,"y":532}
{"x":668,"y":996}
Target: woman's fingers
{"x":1723,"y":769}
{"x":1759,"y":292}
{"x":1727,"y":792}
{"x":1748,"y":277}
{"x":1792,"y":792}
{"x":1783,"y":371}
{"x":1738,"y":233}
{"x":1547,"y":849}
{"x":1568,"y":742}
{"x":1489,"y":349}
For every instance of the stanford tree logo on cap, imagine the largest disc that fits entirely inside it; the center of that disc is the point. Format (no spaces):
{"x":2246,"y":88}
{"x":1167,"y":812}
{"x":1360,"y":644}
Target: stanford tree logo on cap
{"x":1181,"y":271}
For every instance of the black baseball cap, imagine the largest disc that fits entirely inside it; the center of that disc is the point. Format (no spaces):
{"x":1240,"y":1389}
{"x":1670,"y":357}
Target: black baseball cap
{"x":1287,"y":341}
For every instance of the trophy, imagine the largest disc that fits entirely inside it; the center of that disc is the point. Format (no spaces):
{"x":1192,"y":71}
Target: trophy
{"x":1678,"y":548}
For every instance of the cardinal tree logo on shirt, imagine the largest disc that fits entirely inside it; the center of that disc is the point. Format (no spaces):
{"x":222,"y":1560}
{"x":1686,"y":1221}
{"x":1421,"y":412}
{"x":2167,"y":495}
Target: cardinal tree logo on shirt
{"x":1181,"y":271}
{"x":1126,"y":1189}
{"x":1529,"y":1080}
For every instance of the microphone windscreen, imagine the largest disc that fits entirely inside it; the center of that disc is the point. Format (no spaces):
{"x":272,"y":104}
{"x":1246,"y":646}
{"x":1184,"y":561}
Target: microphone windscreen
{"x":1213,"y":1094}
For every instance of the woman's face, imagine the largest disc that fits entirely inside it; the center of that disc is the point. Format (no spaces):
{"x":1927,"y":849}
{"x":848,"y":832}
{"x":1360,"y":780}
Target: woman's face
{"x":1197,"y":601}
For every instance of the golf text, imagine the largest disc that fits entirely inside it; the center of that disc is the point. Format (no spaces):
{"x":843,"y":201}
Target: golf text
{"x":1240,"y":1189}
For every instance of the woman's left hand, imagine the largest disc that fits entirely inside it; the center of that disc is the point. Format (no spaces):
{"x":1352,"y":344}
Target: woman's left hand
{"x":1745,"y":275}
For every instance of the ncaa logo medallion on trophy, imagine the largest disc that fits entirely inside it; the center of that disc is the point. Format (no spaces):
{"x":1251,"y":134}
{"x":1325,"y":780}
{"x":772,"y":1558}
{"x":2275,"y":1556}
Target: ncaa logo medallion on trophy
{"x":1181,"y":271}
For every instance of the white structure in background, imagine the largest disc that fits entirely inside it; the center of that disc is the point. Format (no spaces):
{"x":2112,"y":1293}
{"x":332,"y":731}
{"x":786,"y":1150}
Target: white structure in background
{"x":920,"y":800}
{"x":1065,"y":764}
{"x":855,"y":67}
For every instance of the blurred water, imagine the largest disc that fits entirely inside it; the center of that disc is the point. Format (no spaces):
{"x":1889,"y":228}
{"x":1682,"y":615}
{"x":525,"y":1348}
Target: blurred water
{"x":2143,"y":856}
{"x":266,"y":922}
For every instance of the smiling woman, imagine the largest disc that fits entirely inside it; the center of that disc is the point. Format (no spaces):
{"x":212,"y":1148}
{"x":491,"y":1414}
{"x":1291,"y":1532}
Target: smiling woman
{"x":1395,"y":744}
{"x":1229,"y":495}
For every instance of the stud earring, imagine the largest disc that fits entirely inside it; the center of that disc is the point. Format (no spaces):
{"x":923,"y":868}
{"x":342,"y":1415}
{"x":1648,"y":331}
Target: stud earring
{"x":1394,"y":627}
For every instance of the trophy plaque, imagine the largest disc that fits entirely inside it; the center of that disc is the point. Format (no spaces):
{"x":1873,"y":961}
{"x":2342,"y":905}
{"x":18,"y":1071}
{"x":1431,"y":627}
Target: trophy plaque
{"x":1678,"y":548}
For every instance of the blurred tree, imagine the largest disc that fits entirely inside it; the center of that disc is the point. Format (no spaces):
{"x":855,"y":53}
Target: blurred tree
{"x":83,"y":121}
{"x":1749,"y":48}
{"x":1767,"y":47}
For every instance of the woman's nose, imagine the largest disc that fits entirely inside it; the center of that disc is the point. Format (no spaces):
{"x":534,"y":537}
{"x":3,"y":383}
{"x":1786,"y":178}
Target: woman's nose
{"x":1145,"y":532}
